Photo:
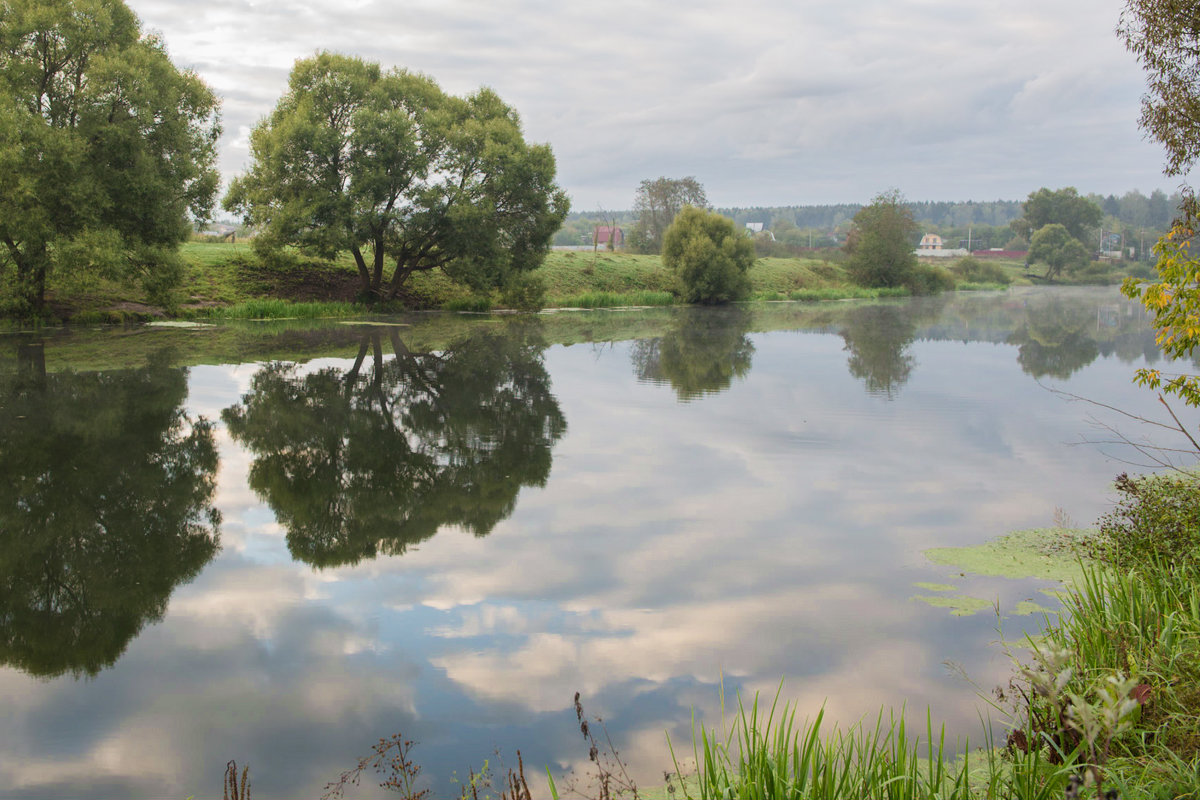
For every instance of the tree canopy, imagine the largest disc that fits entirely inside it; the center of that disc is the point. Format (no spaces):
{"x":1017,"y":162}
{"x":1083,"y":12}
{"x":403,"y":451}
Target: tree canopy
{"x":386,"y":166}
{"x":1165,"y":37}
{"x":709,"y":256}
{"x":657,"y":203}
{"x":882,"y":242}
{"x":1063,"y":207}
{"x":105,"y":147}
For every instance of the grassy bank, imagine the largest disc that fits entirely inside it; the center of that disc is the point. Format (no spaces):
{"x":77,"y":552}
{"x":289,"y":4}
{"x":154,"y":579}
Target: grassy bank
{"x":228,"y":280}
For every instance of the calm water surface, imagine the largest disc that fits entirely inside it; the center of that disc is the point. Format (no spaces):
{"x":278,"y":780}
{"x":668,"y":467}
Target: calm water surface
{"x":279,"y":543}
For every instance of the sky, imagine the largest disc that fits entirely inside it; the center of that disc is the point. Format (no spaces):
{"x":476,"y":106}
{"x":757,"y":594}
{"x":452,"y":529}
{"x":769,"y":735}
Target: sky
{"x":765,"y":102}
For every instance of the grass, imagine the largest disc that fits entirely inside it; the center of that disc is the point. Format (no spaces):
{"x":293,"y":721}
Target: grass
{"x":266,"y":308}
{"x":644,"y":297}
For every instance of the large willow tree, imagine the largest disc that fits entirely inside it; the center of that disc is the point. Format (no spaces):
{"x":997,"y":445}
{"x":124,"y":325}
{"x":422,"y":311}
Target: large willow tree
{"x":106,"y":148}
{"x":386,"y":166}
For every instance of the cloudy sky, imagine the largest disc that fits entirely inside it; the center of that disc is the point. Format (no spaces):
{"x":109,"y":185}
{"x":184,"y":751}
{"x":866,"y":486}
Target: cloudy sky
{"x":766,"y":102}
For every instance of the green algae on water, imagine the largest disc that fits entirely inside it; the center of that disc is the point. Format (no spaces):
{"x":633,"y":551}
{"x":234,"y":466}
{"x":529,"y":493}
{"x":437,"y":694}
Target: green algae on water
{"x":960,"y":605}
{"x":1051,"y":554}
{"x":935,"y":587}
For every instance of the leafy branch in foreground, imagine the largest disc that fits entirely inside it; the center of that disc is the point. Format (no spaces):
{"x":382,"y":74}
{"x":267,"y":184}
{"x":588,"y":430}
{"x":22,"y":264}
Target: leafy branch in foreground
{"x":1174,"y":303}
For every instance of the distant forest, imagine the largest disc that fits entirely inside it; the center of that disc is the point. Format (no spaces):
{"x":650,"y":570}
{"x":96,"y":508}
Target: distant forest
{"x":1131,"y":211}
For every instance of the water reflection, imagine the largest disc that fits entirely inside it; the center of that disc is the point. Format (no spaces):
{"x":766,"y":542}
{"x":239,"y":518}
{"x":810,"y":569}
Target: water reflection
{"x":1055,"y":338}
{"x":701,"y":352}
{"x":376,"y":458}
{"x":105,"y":507}
{"x":878,"y":339}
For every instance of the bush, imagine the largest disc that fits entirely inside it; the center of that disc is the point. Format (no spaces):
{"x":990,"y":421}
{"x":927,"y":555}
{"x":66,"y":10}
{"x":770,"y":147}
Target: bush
{"x":709,"y":257}
{"x":1157,"y":521}
{"x":928,"y":279}
{"x":972,"y":270}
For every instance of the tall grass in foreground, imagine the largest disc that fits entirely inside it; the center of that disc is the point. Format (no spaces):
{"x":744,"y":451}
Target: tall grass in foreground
{"x":281,"y":309}
{"x":766,"y":755}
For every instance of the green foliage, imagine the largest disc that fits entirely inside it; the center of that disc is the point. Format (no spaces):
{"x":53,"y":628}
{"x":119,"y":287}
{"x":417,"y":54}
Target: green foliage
{"x":105,"y":148}
{"x":386,"y":166}
{"x":656,"y":204}
{"x":1062,"y":207}
{"x":1174,"y":303}
{"x":975,"y":271}
{"x":881,"y":243}
{"x":930,"y":279}
{"x":524,"y":292}
{"x":1054,"y":246}
{"x":1165,"y":37}
{"x":1156,"y":521}
{"x":709,"y":257}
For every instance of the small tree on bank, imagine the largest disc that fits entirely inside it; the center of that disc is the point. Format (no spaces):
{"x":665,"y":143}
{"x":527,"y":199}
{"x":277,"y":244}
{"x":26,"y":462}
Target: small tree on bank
{"x":881,"y":243}
{"x":1054,"y":246}
{"x":709,"y":256}
{"x":404,"y":177}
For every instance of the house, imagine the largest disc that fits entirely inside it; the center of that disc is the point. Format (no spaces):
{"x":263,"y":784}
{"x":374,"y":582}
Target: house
{"x":930,"y":241}
{"x":608,"y":236}
{"x":754,"y":227}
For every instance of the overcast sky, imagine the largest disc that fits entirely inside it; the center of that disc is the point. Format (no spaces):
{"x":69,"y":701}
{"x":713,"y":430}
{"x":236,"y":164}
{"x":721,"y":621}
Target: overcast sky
{"x":766,"y":102}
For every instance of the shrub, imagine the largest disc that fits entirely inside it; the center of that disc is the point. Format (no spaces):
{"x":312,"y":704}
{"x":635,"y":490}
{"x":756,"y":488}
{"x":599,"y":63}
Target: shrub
{"x":928,"y":279}
{"x":1156,"y":521}
{"x":709,"y":256}
{"x":972,"y":270}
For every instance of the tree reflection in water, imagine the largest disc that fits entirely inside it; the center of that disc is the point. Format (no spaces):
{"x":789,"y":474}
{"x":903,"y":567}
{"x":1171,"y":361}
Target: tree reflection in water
{"x":701,"y":353}
{"x":106,"y":493}
{"x":1054,"y":340}
{"x":878,"y":338}
{"x":375,"y":458}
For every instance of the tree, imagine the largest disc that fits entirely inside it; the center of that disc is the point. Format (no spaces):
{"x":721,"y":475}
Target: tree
{"x":1054,"y":246}
{"x":709,"y":256}
{"x":1064,"y":207}
{"x":105,"y":147}
{"x":1165,"y":37}
{"x":386,"y":166}
{"x":882,"y":242}
{"x":657,"y":203}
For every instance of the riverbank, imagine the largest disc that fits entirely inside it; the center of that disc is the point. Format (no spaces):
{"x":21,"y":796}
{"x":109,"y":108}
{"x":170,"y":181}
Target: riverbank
{"x":227,"y":280}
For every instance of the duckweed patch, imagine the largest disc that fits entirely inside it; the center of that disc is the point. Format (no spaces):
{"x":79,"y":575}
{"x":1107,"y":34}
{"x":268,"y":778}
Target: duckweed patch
{"x":1052,"y":554}
{"x":960,"y":605}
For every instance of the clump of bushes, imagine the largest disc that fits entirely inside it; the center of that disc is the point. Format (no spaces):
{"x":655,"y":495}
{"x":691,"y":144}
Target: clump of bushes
{"x":929,"y":279}
{"x":972,"y":270}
